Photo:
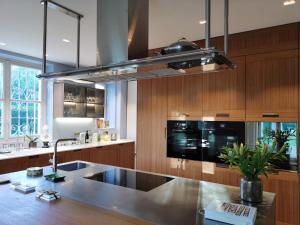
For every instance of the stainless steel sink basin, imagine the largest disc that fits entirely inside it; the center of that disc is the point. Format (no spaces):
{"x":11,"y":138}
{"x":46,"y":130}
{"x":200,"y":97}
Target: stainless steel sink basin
{"x":73,"y":166}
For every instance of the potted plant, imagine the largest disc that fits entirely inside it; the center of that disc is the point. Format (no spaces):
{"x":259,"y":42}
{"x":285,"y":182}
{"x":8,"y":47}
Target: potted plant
{"x":280,"y":136}
{"x":252,"y":163}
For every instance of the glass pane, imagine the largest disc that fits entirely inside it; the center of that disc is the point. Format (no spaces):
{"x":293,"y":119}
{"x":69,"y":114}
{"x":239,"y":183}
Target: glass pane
{"x":24,"y":84}
{"x":1,"y":81}
{"x":280,"y":132}
{"x":24,"y":118}
{"x":1,"y":119}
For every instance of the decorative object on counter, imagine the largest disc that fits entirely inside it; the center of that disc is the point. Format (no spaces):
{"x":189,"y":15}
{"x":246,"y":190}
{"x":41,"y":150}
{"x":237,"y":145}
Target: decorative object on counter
{"x":105,"y":136}
{"x":23,"y":187}
{"x":32,"y":141}
{"x":4,"y":179}
{"x":96,"y":137}
{"x":113,"y":136}
{"x":87,"y":137}
{"x":47,"y":195}
{"x":45,"y":137}
{"x":35,"y":171}
{"x":252,"y":163}
{"x":55,"y":178}
{"x":230,"y":213}
{"x":100,"y":123}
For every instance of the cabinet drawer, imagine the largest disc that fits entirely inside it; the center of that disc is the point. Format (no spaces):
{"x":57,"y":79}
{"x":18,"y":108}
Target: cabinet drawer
{"x":224,"y":115}
{"x":272,"y":116}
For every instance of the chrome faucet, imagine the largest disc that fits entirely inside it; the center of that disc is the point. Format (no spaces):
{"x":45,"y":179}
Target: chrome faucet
{"x":54,"y":160}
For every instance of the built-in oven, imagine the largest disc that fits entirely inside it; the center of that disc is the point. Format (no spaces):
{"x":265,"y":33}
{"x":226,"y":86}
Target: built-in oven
{"x":217,"y":135}
{"x":202,"y":140}
{"x":184,"y":139}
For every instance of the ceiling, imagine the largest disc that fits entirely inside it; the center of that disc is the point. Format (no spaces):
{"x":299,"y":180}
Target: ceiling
{"x":21,"y":24}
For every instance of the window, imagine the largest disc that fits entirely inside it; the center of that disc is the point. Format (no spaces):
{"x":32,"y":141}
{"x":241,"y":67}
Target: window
{"x":20,"y":100}
{"x":1,"y":100}
{"x":25,"y":101}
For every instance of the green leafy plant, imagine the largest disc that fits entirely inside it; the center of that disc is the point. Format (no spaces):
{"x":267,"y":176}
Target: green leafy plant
{"x":253,"y":163}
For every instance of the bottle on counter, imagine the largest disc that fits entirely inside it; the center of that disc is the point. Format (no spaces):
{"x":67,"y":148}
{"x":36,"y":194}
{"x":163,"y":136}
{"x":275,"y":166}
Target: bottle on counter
{"x":87,"y":137}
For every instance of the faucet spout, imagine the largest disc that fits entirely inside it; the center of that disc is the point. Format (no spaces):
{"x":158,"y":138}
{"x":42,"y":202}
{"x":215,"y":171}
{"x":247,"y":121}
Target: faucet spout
{"x":55,"y":159}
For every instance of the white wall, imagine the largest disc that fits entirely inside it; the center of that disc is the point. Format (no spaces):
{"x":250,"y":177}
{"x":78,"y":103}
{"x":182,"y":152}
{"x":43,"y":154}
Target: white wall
{"x":132,"y":110}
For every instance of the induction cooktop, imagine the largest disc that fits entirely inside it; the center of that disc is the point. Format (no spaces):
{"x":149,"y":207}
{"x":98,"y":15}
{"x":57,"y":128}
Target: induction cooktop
{"x":130,"y":179}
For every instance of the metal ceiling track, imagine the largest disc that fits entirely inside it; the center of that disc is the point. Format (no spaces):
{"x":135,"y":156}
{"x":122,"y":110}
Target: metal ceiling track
{"x":150,"y":67}
{"x":65,"y":10}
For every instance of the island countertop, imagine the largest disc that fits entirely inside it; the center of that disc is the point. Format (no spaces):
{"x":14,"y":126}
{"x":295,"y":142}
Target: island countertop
{"x":176,"y":202}
{"x":65,"y":148}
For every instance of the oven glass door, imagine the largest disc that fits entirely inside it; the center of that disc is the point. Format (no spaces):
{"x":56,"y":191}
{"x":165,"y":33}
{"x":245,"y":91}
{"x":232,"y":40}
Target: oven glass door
{"x":184,"y":139}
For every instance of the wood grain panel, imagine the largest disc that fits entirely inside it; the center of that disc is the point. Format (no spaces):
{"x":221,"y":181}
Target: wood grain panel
{"x":159,"y":125}
{"x":144,"y":124}
{"x":107,"y":155}
{"x":191,"y":169}
{"x":224,"y":94}
{"x":192,"y":96}
{"x":175,"y":96}
{"x":126,"y":155}
{"x":272,"y":86}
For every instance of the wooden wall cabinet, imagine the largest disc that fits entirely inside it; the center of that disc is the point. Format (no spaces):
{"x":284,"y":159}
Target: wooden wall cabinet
{"x":224,"y":94}
{"x":272,"y":86}
{"x":185,"y":96}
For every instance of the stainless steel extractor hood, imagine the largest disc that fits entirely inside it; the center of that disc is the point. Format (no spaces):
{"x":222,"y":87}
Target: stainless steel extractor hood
{"x":122,"y":44}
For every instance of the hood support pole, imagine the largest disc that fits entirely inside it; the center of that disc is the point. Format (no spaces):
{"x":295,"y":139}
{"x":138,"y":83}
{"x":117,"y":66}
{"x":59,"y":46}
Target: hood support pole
{"x":208,"y":21}
{"x":226,"y":25}
{"x":66,"y":11}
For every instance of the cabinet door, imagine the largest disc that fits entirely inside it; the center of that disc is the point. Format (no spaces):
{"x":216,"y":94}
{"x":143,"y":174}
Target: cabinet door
{"x":126,"y":155}
{"x":192,"y":96}
{"x":173,"y":166}
{"x":224,"y":94}
{"x":37,"y":160}
{"x":104,"y":155}
{"x":185,"y":97}
{"x":81,"y":154}
{"x":272,"y":86}
{"x":191,"y":169}
{"x":175,"y":96}
{"x":12,"y":165}
{"x":144,"y":123}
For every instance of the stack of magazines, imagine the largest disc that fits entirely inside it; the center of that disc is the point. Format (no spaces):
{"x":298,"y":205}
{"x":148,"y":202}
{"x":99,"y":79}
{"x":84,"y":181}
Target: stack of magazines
{"x":231,"y":213}
{"x":48,"y":195}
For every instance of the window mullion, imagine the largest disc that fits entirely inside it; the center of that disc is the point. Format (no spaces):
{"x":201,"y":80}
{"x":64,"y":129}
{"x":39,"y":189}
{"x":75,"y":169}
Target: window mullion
{"x":7,"y":119}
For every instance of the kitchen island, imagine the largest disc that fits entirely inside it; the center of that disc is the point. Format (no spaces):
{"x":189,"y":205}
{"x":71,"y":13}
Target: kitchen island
{"x":176,"y":202}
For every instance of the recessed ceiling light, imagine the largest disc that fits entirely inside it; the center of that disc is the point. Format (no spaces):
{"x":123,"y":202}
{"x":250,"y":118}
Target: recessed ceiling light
{"x":202,"y":21}
{"x":2,"y":44}
{"x":289,"y":2}
{"x":66,"y":40}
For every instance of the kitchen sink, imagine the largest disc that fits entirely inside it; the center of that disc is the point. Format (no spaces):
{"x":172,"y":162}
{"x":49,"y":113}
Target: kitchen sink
{"x":73,"y":166}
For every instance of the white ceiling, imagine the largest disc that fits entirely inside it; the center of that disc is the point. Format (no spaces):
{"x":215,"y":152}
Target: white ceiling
{"x":21,"y":24}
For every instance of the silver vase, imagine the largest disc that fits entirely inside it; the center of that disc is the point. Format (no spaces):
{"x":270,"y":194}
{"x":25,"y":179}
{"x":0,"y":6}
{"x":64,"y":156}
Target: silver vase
{"x":251,"y":190}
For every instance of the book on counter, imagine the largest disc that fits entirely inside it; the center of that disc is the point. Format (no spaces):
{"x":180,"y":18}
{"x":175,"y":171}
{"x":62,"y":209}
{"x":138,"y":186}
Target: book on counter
{"x":231,"y":213}
{"x":22,"y":187}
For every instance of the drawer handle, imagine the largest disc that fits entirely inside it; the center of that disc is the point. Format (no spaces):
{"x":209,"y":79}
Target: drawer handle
{"x":222,"y":114}
{"x":77,"y":150}
{"x":33,"y":157}
{"x":270,"y":115}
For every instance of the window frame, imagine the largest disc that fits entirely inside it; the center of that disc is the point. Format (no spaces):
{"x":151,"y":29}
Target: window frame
{"x":7,"y":65}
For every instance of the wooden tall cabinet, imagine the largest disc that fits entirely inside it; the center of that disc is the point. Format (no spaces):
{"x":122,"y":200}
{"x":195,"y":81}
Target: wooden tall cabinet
{"x":151,"y":125}
{"x":224,"y":93}
{"x":272,"y":86}
{"x":185,"y":96}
